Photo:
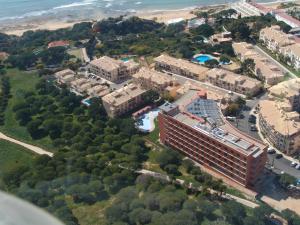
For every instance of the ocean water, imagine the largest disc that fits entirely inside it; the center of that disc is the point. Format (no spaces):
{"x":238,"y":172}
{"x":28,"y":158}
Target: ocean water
{"x":27,"y":9}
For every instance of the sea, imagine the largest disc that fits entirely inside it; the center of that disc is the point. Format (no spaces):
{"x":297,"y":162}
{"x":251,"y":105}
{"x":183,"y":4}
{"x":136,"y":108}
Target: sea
{"x":14,"y":10}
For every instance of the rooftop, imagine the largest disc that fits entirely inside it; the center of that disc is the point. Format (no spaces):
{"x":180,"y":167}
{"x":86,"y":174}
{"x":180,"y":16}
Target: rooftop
{"x":274,"y":33}
{"x":233,"y":78}
{"x":286,"y":89}
{"x":204,"y":116}
{"x":281,"y":121}
{"x":153,"y":76}
{"x":123,"y":95}
{"x":182,"y":64}
{"x":107,"y":63}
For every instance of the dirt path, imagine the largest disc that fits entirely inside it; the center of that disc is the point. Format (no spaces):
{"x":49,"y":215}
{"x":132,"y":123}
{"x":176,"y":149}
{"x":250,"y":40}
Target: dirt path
{"x":32,"y":148}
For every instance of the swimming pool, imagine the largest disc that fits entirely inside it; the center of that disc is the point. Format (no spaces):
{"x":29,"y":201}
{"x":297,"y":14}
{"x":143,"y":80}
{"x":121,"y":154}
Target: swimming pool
{"x":86,"y":101}
{"x":202,"y":58}
{"x":146,"y":122}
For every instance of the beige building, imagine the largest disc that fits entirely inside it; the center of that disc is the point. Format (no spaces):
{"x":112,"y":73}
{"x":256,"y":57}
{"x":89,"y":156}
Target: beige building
{"x":112,"y":69}
{"x":98,"y":90}
{"x":180,"y":67}
{"x":123,"y":100}
{"x":279,"y":42}
{"x":265,"y":70}
{"x":234,"y":82}
{"x":81,"y":85}
{"x":65,"y":76}
{"x":289,"y":91}
{"x":280,"y":125}
{"x":154,"y":80}
{"x":221,"y":38}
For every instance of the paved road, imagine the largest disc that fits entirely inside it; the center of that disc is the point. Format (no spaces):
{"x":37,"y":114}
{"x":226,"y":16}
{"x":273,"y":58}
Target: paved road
{"x":261,"y":51}
{"x":279,"y":165}
{"x":32,"y":148}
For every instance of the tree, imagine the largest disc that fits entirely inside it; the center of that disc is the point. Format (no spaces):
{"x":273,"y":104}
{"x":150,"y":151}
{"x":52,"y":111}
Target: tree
{"x":239,"y":29}
{"x":224,"y":59}
{"x":232,"y":110}
{"x":285,"y":180}
{"x":167,"y":156}
{"x":204,"y":30}
{"x":233,"y":212}
{"x":140,"y":216}
{"x":248,"y":66}
{"x":212,"y":63}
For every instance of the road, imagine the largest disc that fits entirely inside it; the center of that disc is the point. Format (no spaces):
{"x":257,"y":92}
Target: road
{"x":261,"y":51}
{"x":32,"y":148}
{"x":279,"y":165}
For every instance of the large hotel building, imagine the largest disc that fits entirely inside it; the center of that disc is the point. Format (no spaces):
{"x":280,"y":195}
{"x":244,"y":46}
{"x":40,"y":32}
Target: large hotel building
{"x":199,"y":131}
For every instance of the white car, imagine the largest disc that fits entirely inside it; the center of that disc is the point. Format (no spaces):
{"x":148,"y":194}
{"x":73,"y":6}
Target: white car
{"x":271,"y":150}
{"x":293,"y":164}
{"x":298,"y":167}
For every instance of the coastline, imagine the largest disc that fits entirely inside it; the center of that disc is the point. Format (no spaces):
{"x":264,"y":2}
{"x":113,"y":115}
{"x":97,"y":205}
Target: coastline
{"x":161,"y":16}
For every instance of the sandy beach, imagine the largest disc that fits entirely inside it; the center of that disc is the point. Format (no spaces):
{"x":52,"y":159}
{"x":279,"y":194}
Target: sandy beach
{"x":160,"y":16}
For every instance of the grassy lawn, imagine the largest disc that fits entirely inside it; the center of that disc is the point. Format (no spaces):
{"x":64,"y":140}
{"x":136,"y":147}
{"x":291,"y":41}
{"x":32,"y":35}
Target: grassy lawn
{"x":91,"y":214}
{"x":12,"y":155}
{"x":21,"y":81}
{"x":154,"y":135}
{"x":77,"y":53}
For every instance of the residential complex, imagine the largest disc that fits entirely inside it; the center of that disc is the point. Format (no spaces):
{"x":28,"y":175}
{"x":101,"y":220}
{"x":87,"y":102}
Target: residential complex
{"x":123,"y":100}
{"x":200,"y":132}
{"x":81,"y":85}
{"x":180,"y":67}
{"x":279,"y":116}
{"x":234,"y":82}
{"x":113,"y":70}
{"x":280,"y":125}
{"x":264,"y":68}
{"x":65,"y":76}
{"x":279,"y":42}
{"x":154,"y":80}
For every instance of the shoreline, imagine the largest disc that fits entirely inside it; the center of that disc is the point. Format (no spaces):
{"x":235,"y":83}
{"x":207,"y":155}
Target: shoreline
{"x":45,"y":23}
{"x":162,"y":16}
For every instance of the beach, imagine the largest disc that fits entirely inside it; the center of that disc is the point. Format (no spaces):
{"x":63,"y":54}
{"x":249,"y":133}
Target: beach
{"x":66,"y":19}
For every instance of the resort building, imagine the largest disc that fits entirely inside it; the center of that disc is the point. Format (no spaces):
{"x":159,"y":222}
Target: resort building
{"x":200,"y":132}
{"x":81,"y":85}
{"x":285,"y":44}
{"x":181,"y":67}
{"x":54,"y":44}
{"x":280,"y":125}
{"x":98,"y":90}
{"x":234,"y":82}
{"x":265,"y":70}
{"x":65,"y":76}
{"x":274,"y":39}
{"x":123,"y":100}
{"x":221,"y":38}
{"x":154,"y":80}
{"x":113,"y":70}
{"x":288,"y":91}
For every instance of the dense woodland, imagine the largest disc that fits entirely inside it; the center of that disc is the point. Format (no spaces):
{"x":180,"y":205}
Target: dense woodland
{"x":95,"y":157}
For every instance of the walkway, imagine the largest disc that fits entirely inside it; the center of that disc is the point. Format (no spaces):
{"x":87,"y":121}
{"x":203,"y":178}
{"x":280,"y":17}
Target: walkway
{"x":261,"y":51}
{"x":32,"y":148}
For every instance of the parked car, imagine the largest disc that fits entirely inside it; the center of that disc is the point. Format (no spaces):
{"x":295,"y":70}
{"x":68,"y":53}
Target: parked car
{"x":252,"y":119}
{"x":271,"y":150}
{"x":298,"y":167}
{"x":293,"y":164}
{"x":253,"y":128}
{"x":278,"y":156}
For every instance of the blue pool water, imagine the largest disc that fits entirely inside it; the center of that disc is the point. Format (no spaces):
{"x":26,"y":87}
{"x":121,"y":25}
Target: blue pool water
{"x":203,"y":58}
{"x":87,"y":101}
{"x":146,"y":122}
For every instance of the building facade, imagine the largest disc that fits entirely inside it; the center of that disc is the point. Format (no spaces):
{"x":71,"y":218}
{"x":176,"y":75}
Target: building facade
{"x":205,"y":138}
{"x":180,"y":67}
{"x":123,"y":100}
{"x":112,"y":69}
{"x":153,"y":80}
{"x":234,"y":82}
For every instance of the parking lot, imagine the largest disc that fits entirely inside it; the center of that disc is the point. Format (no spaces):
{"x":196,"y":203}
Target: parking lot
{"x":276,"y":165}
